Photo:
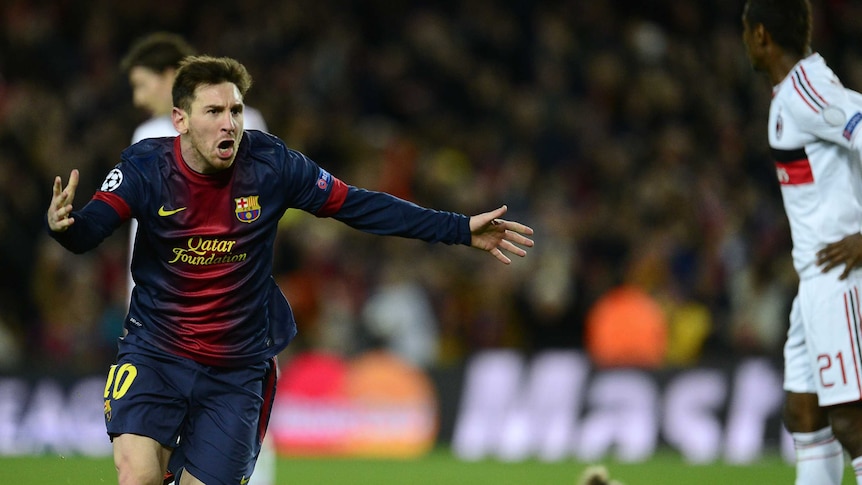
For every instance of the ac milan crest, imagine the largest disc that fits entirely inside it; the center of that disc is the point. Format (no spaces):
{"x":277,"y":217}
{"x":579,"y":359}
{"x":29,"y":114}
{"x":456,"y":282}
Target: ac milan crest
{"x":779,"y":127}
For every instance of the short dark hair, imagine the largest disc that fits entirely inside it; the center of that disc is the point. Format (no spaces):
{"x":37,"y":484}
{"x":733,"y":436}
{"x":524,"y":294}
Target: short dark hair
{"x":158,"y":51}
{"x":196,"y":71}
{"x":787,"y":21}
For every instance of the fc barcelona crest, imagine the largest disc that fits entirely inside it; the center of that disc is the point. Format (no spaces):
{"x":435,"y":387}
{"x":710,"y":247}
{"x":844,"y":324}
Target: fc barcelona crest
{"x":247,"y":208}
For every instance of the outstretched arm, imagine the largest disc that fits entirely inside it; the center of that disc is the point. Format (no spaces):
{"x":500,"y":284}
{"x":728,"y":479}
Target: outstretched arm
{"x":61,"y":203}
{"x":492,"y":234}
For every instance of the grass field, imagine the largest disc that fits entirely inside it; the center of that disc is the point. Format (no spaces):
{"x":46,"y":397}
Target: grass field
{"x":437,"y":468}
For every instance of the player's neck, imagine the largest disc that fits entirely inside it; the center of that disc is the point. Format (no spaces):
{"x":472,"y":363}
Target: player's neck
{"x":196,"y":161}
{"x":781,"y":67}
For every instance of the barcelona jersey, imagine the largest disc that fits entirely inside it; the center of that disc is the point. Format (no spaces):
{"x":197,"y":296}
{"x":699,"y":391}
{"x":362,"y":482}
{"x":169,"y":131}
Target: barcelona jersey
{"x":202,"y":261}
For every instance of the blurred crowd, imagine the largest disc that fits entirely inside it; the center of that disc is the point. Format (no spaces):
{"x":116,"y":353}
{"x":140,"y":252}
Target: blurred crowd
{"x":629,"y":134}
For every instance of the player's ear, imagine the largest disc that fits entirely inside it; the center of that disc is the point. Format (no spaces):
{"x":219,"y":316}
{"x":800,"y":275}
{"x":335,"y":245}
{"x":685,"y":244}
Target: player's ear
{"x":760,"y":35}
{"x":180,"y":119}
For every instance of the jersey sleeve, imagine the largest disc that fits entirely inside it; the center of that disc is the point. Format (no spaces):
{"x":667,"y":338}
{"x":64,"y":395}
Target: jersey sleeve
{"x":385,"y":214}
{"x":852,"y":127}
{"x":125,"y":186}
{"x":95,"y":222}
{"x":832,"y":113}
{"x":317,"y":191}
{"x":308,"y":186}
{"x":113,"y":204}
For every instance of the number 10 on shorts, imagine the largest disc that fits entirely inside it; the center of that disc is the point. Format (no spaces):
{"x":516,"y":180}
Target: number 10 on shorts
{"x":119,"y":380}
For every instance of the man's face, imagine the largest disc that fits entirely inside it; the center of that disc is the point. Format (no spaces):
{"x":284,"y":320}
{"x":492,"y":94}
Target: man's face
{"x":151,"y":90}
{"x":211,"y":130}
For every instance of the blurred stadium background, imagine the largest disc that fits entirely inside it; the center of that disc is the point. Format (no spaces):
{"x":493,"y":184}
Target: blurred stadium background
{"x":629,"y":134}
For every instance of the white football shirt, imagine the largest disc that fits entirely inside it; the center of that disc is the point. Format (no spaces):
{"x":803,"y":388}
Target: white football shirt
{"x":814,"y":125}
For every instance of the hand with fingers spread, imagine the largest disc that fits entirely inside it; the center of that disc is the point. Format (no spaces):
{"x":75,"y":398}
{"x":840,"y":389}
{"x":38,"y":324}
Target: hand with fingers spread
{"x":494,"y":235}
{"x":60,"y":210}
{"x":847,"y":251}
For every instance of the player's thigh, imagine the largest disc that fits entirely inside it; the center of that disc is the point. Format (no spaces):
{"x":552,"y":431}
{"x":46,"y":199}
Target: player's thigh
{"x":226,"y":426}
{"x":832,"y":319}
{"x":146,"y":396}
{"x":798,"y":371}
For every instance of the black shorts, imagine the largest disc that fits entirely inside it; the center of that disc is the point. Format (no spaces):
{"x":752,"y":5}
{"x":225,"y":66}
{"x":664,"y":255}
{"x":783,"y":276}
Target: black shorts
{"x":214,"y":417}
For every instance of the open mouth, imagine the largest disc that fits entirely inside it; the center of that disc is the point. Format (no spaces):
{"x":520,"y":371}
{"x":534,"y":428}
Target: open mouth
{"x":225,"y":148}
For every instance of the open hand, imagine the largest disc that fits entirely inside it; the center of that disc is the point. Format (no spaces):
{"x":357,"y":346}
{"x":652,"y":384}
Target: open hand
{"x":61,"y":203}
{"x":496,"y":235}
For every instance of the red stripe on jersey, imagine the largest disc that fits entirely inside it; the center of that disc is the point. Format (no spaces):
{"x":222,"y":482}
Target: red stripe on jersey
{"x":797,"y":172}
{"x":811,"y":86}
{"x":118,"y":204}
{"x":269,"y":387}
{"x":335,"y":200}
{"x":802,"y":95}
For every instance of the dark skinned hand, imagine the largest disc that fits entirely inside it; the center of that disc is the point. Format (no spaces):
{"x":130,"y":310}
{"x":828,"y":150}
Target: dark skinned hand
{"x":847,"y":251}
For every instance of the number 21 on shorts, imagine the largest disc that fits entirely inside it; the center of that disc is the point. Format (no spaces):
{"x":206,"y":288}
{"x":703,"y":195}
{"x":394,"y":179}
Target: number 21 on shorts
{"x":825,"y":362}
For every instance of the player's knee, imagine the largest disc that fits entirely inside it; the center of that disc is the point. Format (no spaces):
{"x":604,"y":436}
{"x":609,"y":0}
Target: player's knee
{"x":131,"y":475}
{"x":134,"y":472}
{"x":847,"y":426}
{"x":802,"y":413}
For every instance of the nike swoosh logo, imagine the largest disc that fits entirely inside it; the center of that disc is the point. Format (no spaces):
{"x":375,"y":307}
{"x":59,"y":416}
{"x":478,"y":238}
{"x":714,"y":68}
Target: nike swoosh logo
{"x":164,"y":212}
{"x":244,"y":480}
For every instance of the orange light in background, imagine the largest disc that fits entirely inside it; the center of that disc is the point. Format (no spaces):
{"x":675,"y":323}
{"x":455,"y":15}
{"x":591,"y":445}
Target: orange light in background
{"x":376,"y":405}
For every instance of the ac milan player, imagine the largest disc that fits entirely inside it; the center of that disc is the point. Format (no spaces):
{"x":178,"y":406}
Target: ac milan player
{"x":206,"y":318}
{"x":814,"y":125}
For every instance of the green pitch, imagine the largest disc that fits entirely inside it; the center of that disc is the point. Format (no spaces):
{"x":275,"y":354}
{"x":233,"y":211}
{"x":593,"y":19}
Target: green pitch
{"x":435,"y":469}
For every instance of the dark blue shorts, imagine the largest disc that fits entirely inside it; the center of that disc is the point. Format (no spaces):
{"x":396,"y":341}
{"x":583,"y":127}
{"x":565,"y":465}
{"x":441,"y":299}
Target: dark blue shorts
{"x":214,"y":417}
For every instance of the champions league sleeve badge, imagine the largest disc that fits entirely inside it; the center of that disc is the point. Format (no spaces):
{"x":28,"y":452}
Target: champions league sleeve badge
{"x":247,"y":208}
{"x":851,"y":125}
{"x":112,"y":181}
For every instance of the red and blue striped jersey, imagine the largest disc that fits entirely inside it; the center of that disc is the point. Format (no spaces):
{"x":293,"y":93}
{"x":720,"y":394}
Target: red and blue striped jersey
{"x":202,"y":261}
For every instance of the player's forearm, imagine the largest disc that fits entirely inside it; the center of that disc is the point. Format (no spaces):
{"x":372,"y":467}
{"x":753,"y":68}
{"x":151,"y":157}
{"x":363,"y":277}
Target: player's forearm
{"x":384,"y":214}
{"x":93,"y":224}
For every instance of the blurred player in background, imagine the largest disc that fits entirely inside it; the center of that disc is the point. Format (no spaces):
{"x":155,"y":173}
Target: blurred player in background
{"x":195,"y":376}
{"x":151,"y":65}
{"x":814,"y":135}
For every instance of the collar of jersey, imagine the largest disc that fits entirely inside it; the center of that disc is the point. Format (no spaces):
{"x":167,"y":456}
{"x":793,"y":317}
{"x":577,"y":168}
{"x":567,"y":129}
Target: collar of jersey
{"x":219,"y":178}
